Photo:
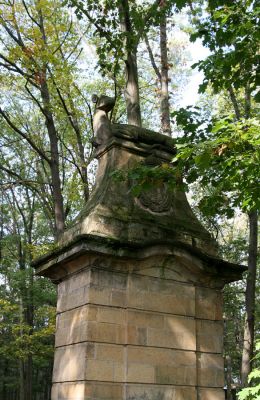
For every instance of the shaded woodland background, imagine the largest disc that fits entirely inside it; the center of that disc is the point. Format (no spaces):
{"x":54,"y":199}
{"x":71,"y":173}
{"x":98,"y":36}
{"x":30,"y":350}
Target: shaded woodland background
{"x":54,"y":56}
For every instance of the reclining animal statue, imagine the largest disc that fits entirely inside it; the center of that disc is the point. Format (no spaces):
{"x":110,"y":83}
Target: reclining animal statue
{"x":104,"y":130}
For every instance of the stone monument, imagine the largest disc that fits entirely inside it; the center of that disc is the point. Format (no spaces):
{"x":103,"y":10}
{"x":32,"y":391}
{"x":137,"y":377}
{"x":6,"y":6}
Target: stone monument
{"x":139,"y":312}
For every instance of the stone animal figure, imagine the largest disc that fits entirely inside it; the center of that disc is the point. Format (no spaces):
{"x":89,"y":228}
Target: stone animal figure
{"x":101,"y":123}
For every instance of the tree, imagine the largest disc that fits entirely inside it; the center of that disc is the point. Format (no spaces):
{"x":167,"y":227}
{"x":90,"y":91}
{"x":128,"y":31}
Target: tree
{"x":39,"y":42}
{"x":121,"y":25}
{"x":231,"y":31}
{"x":162,"y":75}
{"x":27,"y":316}
{"x":253,"y":392}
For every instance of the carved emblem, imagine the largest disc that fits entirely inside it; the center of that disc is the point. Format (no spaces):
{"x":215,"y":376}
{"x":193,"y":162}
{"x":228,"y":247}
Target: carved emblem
{"x":157,"y":200}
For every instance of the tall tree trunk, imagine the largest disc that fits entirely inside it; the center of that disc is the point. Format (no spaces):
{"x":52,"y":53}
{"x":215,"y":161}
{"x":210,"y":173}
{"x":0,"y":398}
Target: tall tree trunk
{"x":22,"y":395}
{"x":132,"y":85}
{"x":229,"y":377}
{"x":21,"y":381}
{"x":164,"y":95}
{"x":5,"y":374}
{"x":83,"y":162}
{"x":59,"y":214}
{"x":248,"y":346}
{"x":54,"y":166}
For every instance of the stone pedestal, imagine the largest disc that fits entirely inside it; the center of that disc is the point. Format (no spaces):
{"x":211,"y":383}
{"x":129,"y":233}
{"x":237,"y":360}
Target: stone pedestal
{"x":139,"y":313}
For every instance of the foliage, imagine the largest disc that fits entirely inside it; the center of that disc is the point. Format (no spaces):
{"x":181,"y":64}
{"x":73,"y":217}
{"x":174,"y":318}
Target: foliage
{"x":106,"y":17}
{"x":252,"y":392}
{"x":143,"y":177}
{"x":225,"y":154}
{"x":21,"y":341}
{"x":231,"y":30}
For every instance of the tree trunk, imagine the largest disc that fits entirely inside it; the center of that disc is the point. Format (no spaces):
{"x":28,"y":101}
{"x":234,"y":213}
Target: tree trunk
{"x":59,"y":214}
{"x":229,"y":377}
{"x":5,"y":374}
{"x":21,"y":381}
{"x":54,"y":166}
{"x":132,"y":86}
{"x":164,"y":98}
{"x":248,"y":346}
{"x":83,"y":162}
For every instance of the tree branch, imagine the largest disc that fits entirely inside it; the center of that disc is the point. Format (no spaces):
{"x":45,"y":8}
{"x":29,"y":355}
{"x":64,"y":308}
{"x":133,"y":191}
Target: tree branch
{"x":156,"y":69}
{"x":101,"y":31}
{"x":36,"y":100}
{"x":234,"y":102}
{"x":29,"y":15}
{"x":24,"y":136}
{"x":64,"y":39}
{"x":247,"y":101}
{"x":18,"y":70}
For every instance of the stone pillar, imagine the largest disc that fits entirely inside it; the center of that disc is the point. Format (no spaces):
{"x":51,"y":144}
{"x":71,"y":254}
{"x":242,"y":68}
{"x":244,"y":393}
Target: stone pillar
{"x":139,"y":313}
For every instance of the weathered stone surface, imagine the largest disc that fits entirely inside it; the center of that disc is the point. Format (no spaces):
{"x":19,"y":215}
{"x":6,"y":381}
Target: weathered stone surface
{"x":90,"y":361}
{"x":103,"y":391}
{"x":70,"y":363}
{"x":87,"y":391}
{"x":152,"y":294}
{"x":68,"y":391}
{"x":125,"y":216}
{"x":151,"y":329}
{"x":210,"y":370}
{"x":91,"y":323}
{"x":161,"y":366}
{"x":211,"y":394}
{"x":73,"y":292}
{"x":209,"y":336}
{"x":153,"y":392}
{"x":108,"y":391}
{"x":208,"y":304}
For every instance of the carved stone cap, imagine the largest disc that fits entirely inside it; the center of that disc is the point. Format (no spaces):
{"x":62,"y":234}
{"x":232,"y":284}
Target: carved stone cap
{"x":156,"y":216}
{"x":113,"y":211}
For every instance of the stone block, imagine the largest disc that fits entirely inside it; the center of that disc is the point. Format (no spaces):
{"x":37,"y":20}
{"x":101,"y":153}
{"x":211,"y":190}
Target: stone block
{"x":111,"y":315}
{"x":73,"y":292}
{"x":118,"y":298}
{"x":152,"y":294}
{"x":179,"y":375}
{"x":71,"y":326}
{"x":154,"y":392}
{"x":211,"y":394}
{"x":94,"y":323}
{"x":103,"y":391}
{"x":68,"y":391}
{"x":209,"y":336}
{"x":208,"y":304}
{"x":90,"y":361}
{"x":210,"y":370}
{"x":109,"y":352}
{"x":161,"y":330}
{"x":99,"y":295}
{"x":178,"y":333}
{"x":105,"y":332}
{"x":99,"y":370}
{"x":165,"y":366}
{"x":144,"y":373}
{"x":162,"y":267}
{"x":69,"y":363}
{"x":145,"y":319}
